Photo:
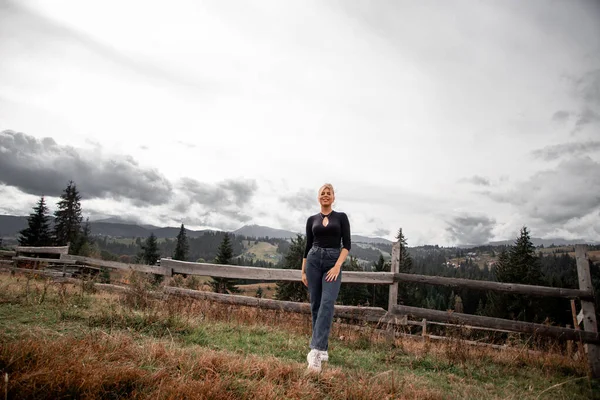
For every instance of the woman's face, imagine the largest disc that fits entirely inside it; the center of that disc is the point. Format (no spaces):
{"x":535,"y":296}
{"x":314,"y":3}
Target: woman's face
{"x":326,"y":196}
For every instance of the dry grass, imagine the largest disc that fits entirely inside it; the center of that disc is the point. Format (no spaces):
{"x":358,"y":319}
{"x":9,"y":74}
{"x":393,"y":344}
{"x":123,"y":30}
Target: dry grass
{"x":116,"y":366}
{"x":64,"y":340}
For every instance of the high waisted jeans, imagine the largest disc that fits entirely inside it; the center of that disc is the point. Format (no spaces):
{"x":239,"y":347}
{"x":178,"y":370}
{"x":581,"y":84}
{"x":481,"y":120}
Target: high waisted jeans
{"x":323,"y":294}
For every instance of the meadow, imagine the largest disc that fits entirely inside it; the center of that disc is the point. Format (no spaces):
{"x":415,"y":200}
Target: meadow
{"x":71,"y":340}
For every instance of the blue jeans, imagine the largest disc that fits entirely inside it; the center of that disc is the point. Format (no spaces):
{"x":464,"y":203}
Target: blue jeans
{"x":323,"y":294}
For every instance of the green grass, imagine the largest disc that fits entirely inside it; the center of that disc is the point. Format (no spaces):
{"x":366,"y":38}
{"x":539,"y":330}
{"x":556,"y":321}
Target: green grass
{"x":457,"y":372}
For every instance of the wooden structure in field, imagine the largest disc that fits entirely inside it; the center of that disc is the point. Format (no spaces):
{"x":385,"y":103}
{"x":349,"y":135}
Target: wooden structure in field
{"x":395,"y":314}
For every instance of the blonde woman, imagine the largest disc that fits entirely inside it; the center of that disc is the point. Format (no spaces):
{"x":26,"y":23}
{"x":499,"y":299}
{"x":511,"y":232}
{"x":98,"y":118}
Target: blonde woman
{"x":327,"y":246}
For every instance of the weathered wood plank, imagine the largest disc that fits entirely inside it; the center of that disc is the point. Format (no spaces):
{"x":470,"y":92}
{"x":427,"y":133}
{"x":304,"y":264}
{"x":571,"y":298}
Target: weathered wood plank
{"x":372,"y":314}
{"x":149,"y":269}
{"x":7,"y":253}
{"x":272,"y":274}
{"x":544,"y":291}
{"x":590,"y":324}
{"x":395,"y":267}
{"x":44,"y":260}
{"x":489,"y":322}
{"x":43,"y":250}
{"x":468,"y":327}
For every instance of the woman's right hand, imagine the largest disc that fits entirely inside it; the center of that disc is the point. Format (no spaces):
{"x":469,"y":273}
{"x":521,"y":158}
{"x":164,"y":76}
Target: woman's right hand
{"x":304,"y":280}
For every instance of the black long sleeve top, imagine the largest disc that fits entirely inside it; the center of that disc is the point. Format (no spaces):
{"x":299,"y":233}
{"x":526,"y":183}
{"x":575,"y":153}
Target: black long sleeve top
{"x":335,"y":233}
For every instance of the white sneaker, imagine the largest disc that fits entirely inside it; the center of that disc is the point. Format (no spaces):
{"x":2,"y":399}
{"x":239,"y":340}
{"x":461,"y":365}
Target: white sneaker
{"x":324,"y":355}
{"x":314,"y":360}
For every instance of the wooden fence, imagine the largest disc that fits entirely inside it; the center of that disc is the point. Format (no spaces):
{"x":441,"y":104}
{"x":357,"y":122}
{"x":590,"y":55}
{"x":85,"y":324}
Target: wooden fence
{"x":395,"y":314}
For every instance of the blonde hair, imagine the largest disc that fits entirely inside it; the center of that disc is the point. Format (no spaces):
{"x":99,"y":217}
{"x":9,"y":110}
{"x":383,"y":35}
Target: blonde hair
{"x":328,"y":186}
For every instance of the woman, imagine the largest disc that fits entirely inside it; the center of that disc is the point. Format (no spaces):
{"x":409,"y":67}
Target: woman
{"x":321,"y":270}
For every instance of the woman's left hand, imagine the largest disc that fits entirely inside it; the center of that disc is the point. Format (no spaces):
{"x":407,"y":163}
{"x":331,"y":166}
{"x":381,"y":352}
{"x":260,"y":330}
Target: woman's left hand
{"x":333,"y":273}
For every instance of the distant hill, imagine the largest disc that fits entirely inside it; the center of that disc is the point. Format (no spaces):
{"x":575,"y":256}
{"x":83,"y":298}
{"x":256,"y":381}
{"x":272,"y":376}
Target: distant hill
{"x":545,"y":242}
{"x":370,"y":240}
{"x":257,"y":231}
{"x":10,"y":226}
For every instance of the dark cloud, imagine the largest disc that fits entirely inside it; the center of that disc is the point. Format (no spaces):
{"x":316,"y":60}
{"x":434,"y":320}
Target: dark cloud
{"x":43,"y":167}
{"x":242,"y":190}
{"x":476,"y":180}
{"x":561,"y":116}
{"x":554,"y":152}
{"x":470,"y":229}
{"x":217,"y":196}
{"x":301,"y":201}
{"x":587,"y":88}
{"x":586,"y":117}
{"x":556,"y":196}
{"x":226,"y":198}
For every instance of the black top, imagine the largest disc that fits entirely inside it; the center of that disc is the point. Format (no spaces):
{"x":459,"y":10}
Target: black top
{"x":330,"y":236}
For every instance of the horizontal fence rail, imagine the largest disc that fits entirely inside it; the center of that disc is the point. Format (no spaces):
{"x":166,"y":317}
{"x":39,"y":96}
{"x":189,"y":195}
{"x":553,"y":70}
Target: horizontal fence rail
{"x":148,"y":269}
{"x":43,"y":250}
{"x":7,"y":253}
{"x":530,"y":290}
{"x":267,"y":274}
{"x":45,"y":260}
{"x":505,"y":324}
{"x":370,"y":314}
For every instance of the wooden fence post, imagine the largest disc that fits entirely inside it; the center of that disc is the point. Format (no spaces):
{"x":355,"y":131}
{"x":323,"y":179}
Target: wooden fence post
{"x":589,"y":311}
{"x":575,"y":324}
{"x":393,"y":298}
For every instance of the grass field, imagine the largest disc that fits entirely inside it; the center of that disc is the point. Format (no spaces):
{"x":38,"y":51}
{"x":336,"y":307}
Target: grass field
{"x":263,"y":251}
{"x":61,"y":340}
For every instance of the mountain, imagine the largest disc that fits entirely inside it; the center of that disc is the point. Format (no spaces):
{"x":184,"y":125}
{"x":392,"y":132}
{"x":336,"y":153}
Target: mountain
{"x":118,"y":220}
{"x":370,"y":240}
{"x":257,"y":231}
{"x":10,"y":225}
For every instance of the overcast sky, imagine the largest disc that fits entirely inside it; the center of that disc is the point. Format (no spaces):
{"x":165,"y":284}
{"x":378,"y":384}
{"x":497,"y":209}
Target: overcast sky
{"x":459,"y":121}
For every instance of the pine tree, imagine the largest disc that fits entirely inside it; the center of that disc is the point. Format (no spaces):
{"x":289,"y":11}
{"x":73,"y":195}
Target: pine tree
{"x":405,"y":292}
{"x":150,"y":255}
{"x":293,"y":291}
{"x":405,"y":258}
{"x":259,"y":293}
{"x":38,"y":231}
{"x":67,"y":217}
{"x":524,"y":262}
{"x":182,"y":247}
{"x":519,"y":265}
{"x":224,"y":256}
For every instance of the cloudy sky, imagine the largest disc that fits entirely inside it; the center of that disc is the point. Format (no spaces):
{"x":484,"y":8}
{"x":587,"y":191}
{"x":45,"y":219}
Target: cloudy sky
{"x":458,"y":121}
